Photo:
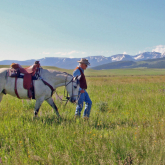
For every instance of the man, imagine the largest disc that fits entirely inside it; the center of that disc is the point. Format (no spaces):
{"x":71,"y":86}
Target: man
{"x":83,"y":95}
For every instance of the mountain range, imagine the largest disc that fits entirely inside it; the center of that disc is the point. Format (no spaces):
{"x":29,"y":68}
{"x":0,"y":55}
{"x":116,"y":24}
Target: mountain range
{"x":71,"y":63}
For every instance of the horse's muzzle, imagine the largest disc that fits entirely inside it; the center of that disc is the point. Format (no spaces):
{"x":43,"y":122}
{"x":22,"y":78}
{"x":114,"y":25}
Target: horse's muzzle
{"x":72,"y":100}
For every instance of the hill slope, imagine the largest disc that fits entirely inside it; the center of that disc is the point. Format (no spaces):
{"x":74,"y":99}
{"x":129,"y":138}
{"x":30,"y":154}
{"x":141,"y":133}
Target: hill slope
{"x":152,"y":63}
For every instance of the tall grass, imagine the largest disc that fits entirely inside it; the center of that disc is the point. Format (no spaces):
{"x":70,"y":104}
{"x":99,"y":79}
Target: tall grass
{"x":130,"y":129}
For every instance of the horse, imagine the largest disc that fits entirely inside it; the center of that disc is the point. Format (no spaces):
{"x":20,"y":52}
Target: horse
{"x":44,"y":87}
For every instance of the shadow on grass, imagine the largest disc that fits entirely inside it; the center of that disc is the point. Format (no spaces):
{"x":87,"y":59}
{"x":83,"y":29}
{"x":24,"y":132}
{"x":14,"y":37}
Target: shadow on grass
{"x":48,"y":120}
{"x":52,"y":119}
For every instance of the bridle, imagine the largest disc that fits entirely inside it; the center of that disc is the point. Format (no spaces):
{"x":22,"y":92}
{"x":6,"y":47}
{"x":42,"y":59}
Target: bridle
{"x":66,"y":84}
{"x":67,"y":98}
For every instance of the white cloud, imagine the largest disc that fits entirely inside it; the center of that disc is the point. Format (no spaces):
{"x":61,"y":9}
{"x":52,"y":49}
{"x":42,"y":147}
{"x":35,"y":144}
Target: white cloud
{"x":83,"y":52}
{"x":159,"y":48}
{"x":124,"y":52}
{"x":66,"y":53}
{"x":45,"y":52}
{"x":61,"y":53}
{"x":72,"y":52}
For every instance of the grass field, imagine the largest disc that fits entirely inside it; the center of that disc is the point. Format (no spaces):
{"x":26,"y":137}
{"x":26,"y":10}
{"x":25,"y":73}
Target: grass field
{"x":126,"y":126}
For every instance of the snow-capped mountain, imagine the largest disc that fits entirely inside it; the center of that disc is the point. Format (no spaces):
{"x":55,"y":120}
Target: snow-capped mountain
{"x":121,"y":57}
{"x":71,"y":63}
{"x":147,"y":55}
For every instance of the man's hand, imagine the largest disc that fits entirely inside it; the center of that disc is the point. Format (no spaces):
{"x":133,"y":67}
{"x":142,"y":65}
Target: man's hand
{"x":82,"y":91}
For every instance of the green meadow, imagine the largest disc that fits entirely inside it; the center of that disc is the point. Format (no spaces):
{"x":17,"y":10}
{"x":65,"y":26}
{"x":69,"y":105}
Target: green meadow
{"x":126,"y":126}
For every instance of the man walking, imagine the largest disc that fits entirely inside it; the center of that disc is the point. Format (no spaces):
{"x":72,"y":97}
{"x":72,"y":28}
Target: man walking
{"x":83,"y":95}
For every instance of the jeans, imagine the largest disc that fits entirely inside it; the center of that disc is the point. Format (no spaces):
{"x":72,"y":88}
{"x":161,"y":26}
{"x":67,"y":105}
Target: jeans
{"x":83,"y":97}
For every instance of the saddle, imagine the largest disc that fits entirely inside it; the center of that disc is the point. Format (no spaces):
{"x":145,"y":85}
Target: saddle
{"x":28,"y":74}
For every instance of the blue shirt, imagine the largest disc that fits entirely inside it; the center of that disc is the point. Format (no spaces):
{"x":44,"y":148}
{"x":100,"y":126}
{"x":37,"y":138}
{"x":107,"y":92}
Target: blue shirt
{"x":78,"y":73}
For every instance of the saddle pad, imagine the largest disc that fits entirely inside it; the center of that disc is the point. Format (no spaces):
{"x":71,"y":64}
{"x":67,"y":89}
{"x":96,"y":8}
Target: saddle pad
{"x":33,"y":77}
{"x":13,"y":72}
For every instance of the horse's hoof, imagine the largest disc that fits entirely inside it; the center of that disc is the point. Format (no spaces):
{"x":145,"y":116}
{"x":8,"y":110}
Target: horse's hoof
{"x":35,"y":117}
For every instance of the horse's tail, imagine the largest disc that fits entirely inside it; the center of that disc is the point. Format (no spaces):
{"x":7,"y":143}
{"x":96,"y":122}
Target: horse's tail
{"x":3,"y":74}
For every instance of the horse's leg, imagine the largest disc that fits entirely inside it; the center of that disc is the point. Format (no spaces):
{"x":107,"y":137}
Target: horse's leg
{"x":1,"y":95}
{"x":52,"y":104}
{"x":2,"y":83}
{"x":37,"y":106}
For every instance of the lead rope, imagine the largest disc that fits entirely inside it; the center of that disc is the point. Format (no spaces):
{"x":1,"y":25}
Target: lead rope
{"x":67,"y":98}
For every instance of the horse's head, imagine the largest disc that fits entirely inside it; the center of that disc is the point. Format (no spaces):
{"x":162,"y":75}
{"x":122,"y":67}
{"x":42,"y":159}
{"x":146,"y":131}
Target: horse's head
{"x":73,"y":88}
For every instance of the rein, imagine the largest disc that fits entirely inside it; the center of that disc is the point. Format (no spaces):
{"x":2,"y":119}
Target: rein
{"x":46,"y":83}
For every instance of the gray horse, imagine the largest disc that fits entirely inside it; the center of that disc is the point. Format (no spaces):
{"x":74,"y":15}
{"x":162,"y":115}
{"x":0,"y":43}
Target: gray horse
{"x":42,"y":91}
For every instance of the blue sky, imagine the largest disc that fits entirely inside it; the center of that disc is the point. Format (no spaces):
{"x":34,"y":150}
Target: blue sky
{"x":35,"y":29}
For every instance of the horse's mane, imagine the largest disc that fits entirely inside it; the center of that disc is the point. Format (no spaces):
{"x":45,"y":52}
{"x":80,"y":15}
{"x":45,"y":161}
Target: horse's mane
{"x":55,"y":72}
